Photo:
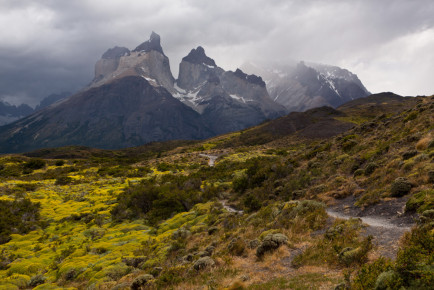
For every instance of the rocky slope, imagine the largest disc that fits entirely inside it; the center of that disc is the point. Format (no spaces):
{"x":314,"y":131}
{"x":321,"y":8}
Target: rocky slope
{"x":127,"y":112}
{"x":227,"y":100}
{"x":304,"y":86}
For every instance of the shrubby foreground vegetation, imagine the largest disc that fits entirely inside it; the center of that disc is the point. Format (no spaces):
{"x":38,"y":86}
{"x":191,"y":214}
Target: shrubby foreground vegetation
{"x":161,"y":218}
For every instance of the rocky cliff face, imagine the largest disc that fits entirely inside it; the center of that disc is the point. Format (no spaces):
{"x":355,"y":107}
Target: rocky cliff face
{"x":227,"y":100}
{"x":146,"y":60}
{"x":304,"y":86}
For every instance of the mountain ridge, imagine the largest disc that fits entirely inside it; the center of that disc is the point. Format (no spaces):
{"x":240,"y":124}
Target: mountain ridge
{"x":223,"y":101}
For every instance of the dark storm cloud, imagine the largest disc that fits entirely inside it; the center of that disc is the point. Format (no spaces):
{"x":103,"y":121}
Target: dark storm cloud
{"x":50,"y":46}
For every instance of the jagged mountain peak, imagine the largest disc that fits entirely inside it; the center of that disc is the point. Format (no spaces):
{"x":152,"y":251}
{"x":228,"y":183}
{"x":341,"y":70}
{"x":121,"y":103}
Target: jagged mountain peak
{"x":198,"y":56}
{"x":115,"y":52}
{"x":147,"y":61}
{"x":154,"y":43}
{"x":253,"y":79}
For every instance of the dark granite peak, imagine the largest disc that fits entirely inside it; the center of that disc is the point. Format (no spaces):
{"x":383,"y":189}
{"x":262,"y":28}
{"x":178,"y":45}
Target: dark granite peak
{"x":214,"y":79}
{"x":152,"y":44}
{"x":116,"y":52}
{"x":253,"y":79}
{"x":198,"y":56}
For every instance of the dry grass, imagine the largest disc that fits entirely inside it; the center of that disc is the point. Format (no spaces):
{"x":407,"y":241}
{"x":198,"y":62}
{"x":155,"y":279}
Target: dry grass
{"x":422,"y":144}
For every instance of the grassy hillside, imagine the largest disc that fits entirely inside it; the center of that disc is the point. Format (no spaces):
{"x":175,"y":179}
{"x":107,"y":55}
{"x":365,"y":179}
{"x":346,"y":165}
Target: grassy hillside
{"x":160,"y":217}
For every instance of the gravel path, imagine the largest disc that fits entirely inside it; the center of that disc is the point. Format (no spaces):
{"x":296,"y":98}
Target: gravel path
{"x":212,"y":158}
{"x":386,"y":231}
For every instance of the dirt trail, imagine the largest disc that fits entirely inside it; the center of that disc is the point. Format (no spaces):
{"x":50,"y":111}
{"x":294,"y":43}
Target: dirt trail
{"x":212,"y":158}
{"x":229,"y":208}
{"x":371,"y":221}
{"x":386,"y":222}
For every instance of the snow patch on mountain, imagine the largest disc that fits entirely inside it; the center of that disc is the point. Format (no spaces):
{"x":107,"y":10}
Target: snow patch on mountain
{"x":190,"y":98}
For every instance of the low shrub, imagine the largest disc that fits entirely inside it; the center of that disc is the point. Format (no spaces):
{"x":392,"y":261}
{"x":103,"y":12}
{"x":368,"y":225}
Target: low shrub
{"x":366,"y":276}
{"x":421,"y":201}
{"x":203,"y":263}
{"x":141,"y":281}
{"x":237,"y":247}
{"x":270,"y":243}
{"x":400,"y":187}
{"x":409,"y":154}
{"x":63,"y":180}
{"x":34,"y":164}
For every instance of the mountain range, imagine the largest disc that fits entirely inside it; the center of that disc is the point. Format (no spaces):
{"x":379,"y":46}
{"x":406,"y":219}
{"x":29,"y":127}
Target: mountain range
{"x":134,"y":99}
{"x":304,"y":86}
{"x":10,"y":113}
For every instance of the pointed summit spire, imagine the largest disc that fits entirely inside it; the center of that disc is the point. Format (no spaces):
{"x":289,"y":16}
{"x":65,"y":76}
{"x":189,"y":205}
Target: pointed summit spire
{"x":198,"y":56}
{"x":152,"y":44}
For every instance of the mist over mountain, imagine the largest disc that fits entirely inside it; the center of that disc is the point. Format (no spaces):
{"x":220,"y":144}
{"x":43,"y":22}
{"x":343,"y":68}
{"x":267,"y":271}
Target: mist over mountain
{"x":302,"y":86}
{"x":134,"y":99}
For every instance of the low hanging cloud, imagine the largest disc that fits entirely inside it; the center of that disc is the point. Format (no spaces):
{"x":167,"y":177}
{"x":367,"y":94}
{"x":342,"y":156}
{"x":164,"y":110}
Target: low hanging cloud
{"x":50,"y":46}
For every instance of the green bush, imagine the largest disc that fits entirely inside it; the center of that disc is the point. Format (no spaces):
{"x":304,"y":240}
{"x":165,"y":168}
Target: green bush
{"x":411,"y":116}
{"x":366,"y":276}
{"x":415,"y":259}
{"x":59,"y":163}
{"x":388,"y":280}
{"x":421,"y":201}
{"x":63,"y":180}
{"x":37,"y":280}
{"x":34,"y":164}
{"x":251,"y":202}
{"x":270,"y":243}
{"x":370,"y":168}
{"x":400,"y":187}
{"x":157,"y":201}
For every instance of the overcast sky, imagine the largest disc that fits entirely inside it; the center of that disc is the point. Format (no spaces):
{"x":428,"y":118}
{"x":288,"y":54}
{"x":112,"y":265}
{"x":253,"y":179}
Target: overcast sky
{"x":50,"y":46}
